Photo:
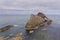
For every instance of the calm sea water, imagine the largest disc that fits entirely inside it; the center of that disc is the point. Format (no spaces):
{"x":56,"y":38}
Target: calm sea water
{"x":52,"y":32}
{"x":20,"y":21}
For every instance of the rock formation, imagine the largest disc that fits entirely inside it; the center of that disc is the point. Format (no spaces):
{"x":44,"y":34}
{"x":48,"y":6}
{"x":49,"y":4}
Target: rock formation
{"x":17,"y":37}
{"x":6,"y":28}
{"x":37,"y":20}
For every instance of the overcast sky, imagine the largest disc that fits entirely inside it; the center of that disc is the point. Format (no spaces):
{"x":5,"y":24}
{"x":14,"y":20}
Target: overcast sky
{"x":31,"y":4}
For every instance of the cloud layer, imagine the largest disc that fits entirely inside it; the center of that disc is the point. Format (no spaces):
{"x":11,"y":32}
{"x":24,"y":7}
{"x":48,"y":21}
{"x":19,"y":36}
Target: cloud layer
{"x":30,"y":4}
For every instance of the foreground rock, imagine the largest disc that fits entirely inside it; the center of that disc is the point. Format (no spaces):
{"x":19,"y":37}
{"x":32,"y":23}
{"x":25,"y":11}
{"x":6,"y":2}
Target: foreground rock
{"x":17,"y":37}
{"x":2,"y":38}
{"x":6,"y":28}
{"x":37,"y":20}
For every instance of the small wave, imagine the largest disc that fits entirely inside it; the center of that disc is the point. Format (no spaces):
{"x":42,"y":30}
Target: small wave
{"x":15,"y":25}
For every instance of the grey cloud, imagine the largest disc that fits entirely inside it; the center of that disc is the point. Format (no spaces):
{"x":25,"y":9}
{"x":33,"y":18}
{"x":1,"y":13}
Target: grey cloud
{"x":29,"y":4}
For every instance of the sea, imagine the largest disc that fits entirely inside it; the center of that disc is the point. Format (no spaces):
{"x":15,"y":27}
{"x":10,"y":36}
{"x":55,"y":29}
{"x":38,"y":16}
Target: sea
{"x":52,"y":31}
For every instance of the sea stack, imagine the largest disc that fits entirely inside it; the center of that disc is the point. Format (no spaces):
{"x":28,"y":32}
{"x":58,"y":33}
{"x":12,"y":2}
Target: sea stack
{"x":37,"y":20}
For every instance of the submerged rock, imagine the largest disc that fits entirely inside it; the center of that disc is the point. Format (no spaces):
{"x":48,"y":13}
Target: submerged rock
{"x":31,"y":32}
{"x":6,"y":28}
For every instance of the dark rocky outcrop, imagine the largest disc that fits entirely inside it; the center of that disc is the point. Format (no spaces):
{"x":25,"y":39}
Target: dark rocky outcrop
{"x":6,"y":28}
